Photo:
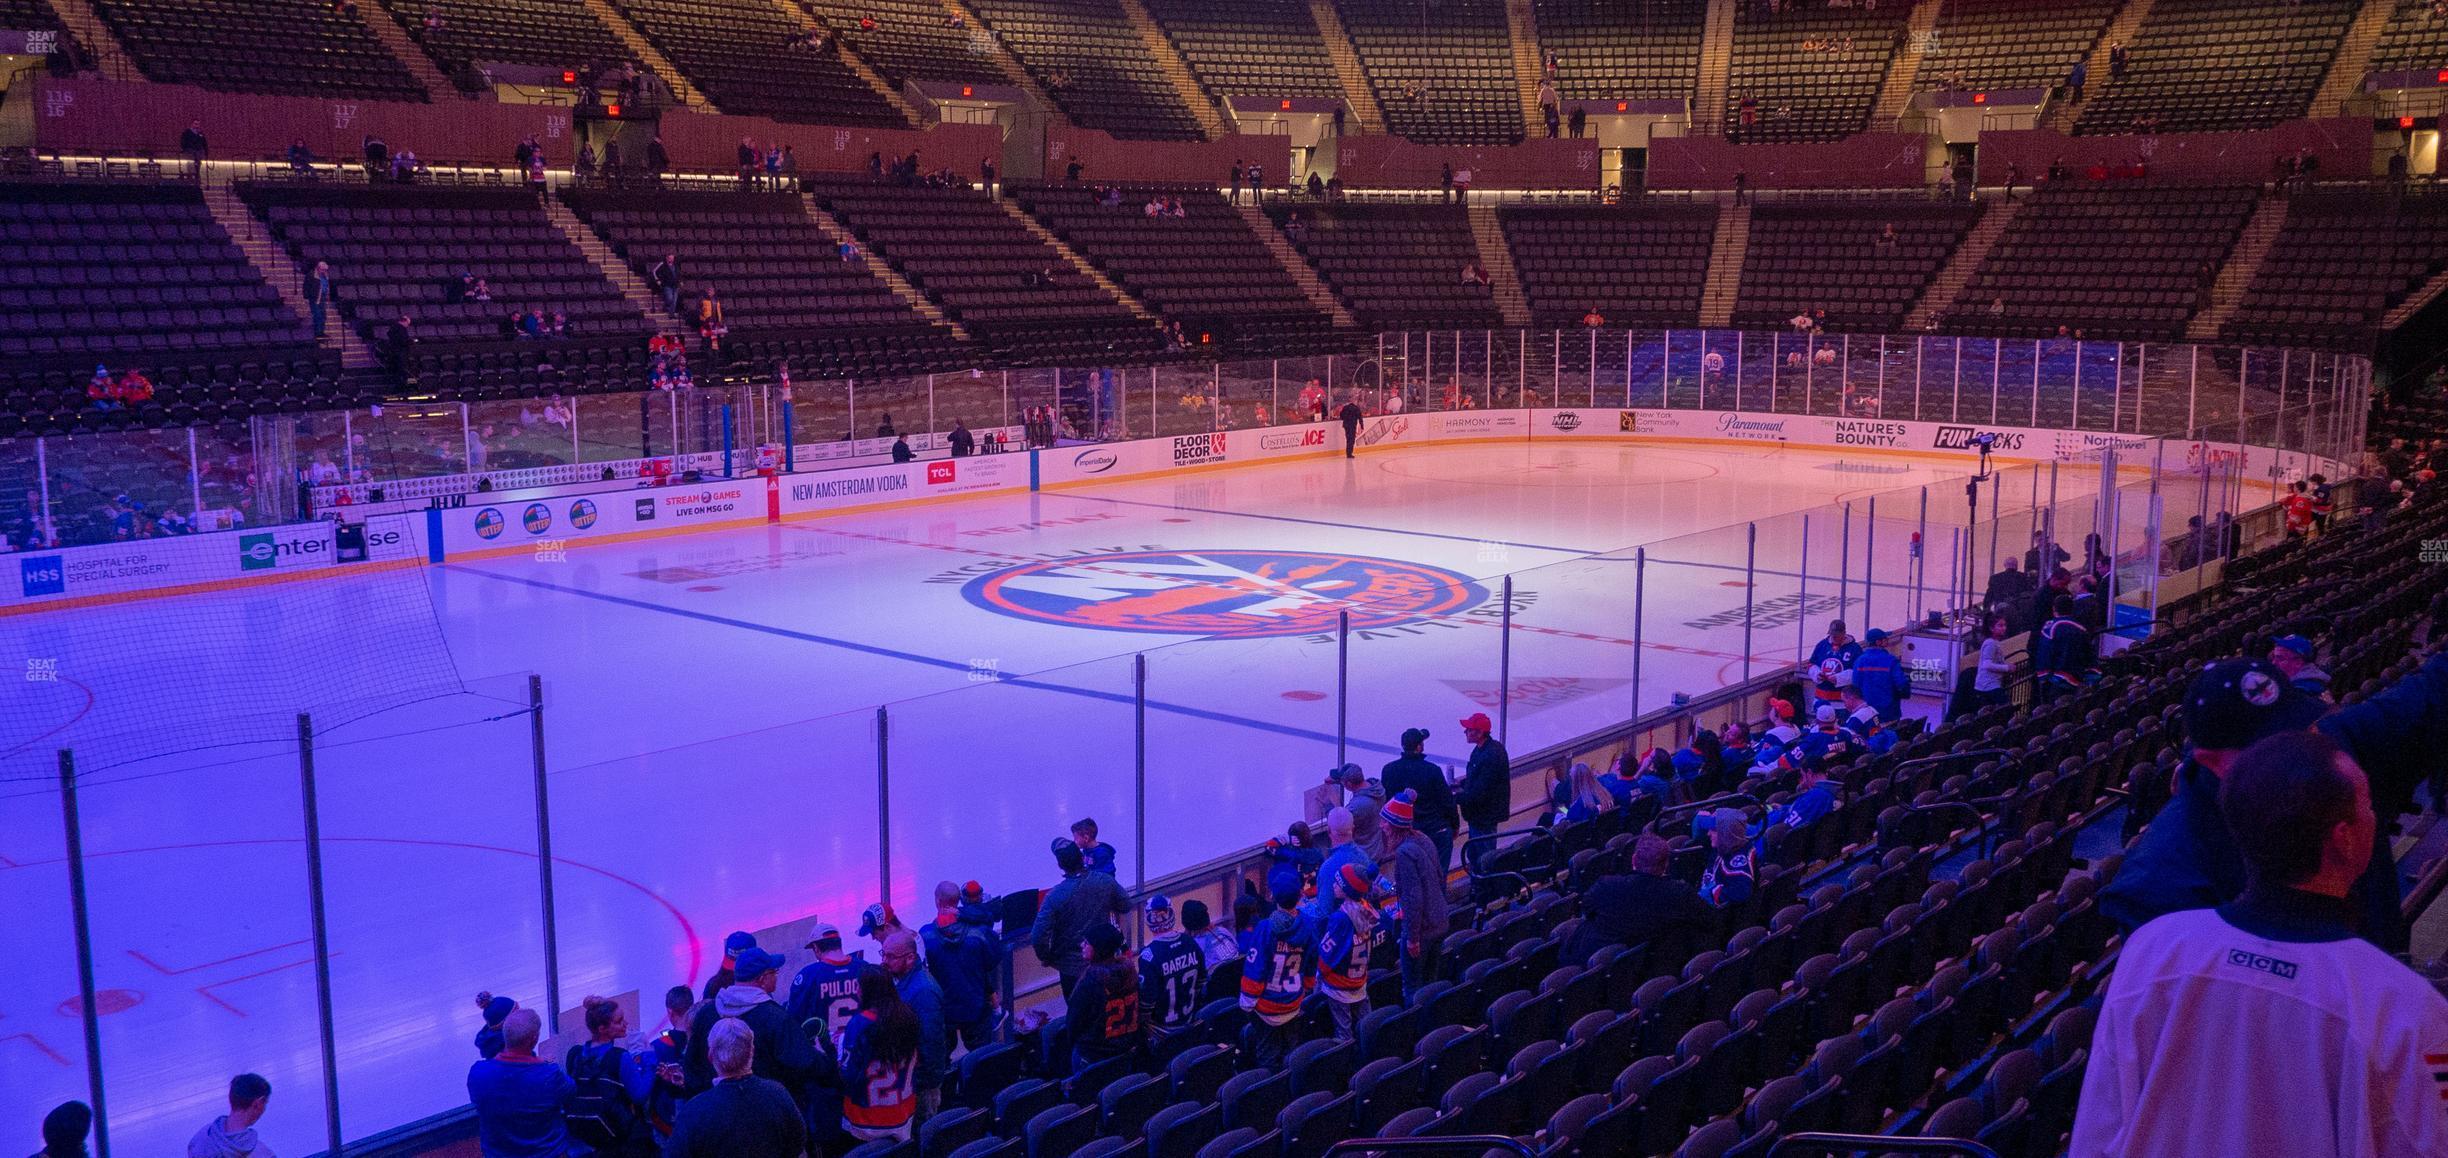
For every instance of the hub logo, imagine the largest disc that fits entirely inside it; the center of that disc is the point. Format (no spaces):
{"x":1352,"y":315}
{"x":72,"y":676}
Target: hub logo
{"x":1961,"y":438}
{"x":582,"y":514}
{"x":42,"y":575}
{"x":488,"y":524}
{"x":1095,"y":461}
{"x":537,"y":518}
{"x":1194,"y":449}
{"x":1566,"y":421}
{"x":264,"y":550}
{"x":939,"y":473}
{"x":257,"y":552}
{"x":1224,"y":594}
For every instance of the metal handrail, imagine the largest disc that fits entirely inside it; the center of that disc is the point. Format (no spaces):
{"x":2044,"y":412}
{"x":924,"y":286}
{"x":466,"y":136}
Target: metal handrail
{"x":1467,"y":1143}
{"x":1833,"y":1143}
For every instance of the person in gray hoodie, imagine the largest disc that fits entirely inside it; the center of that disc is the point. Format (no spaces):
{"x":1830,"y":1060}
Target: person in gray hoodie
{"x":232,"y":1135}
{"x":783,"y":1051}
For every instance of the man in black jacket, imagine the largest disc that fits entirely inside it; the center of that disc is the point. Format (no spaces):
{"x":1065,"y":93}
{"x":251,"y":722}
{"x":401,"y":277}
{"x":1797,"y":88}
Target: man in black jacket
{"x":1642,"y":907}
{"x":741,"y":1115}
{"x":1350,"y":417}
{"x":1486,"y":797}
{"x":1434,"y":803}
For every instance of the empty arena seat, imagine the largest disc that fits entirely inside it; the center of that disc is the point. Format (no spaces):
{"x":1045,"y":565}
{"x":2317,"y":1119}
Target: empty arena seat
{"x":552,"y":33}
{"x":1812,"y":73}
{"x":1206,"y":270}
{"x":1394,"y":265}
{"x":739,"y":53}
{"x":2416,"y":38}
{"x":1806,"y":256}
{"x":1260,"y":48}
{"x":911,"y":39}
{"x":1612,"y":51}
{"x":399,"y":251}
{"x":785,"y":291}
{"x":1093,"y":63}
{"x":287,"y":47}
{"x":2341,"y":262}
{"x":1642,"y":265}
{"x":1444,"y":81}
{"x":2201,"y":65}
{"x":1993,"y":44}
{"x":2112,"y":259}
{"x":1012,"y":291}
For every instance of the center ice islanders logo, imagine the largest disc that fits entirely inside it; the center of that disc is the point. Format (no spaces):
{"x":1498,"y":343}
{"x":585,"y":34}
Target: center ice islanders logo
{"x":1224,"y":594}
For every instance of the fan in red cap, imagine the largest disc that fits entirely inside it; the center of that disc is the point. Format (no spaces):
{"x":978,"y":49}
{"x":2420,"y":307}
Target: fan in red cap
{"x":1486,"y":791}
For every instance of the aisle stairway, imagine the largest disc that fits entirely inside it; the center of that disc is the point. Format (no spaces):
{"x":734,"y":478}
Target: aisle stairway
{"x":1504,"y":282}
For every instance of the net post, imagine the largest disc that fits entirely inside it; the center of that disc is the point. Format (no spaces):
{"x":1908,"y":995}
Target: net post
{"x":883,"y":722}
{"x":1870,"y":565}
{"x":544,"y":855}
{"x":1802,"y":593}
{"x":1504,"y":666}
{"x":80,"y":916}
{"x":1139,"y":762}
{"x":1342,"y":685}
{"x":1750,"y":590}
{"x":322,"y":931}
{"x":1640,"y":593}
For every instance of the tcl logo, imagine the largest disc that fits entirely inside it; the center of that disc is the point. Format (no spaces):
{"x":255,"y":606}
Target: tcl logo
{"x":939,"y":473}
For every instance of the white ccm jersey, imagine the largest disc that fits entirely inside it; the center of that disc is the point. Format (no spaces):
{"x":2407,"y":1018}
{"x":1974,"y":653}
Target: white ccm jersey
{"x":2214,"y":1041}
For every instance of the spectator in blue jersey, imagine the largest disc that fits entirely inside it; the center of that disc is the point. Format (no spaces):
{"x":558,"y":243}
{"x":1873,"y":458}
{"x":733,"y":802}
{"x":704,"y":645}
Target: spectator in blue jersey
{"x":232,"y":1135}
{"x":1433,"y":805}
{"x":879,"y":1064}
{"x":1295,"y":850}
{"x":1486,"y":794}
{"x":1642,"y":907}
{"x":967,"y":960}
{"x":1576,"y":796}
{"x":1729,"y":877}
{"x":741,"y":1115}
{"x":1350,"y":932}
{"x":518,"y":1096}
{"x":919,"y":992}
{"x":1172,"y":971}
{"x":826,"y":989}
{"x":1698,"y":766}
{"x":1100,"y":857}
{"x":1831,"y":662}
{"x":2292,"y":655}
{"x":1827,"y":740}
{"x":662,"y":1060}
{"x":783,"y":1052}
{"x":1085,"y":898}
{"x":1630,"y":777}
{"x":2062,"y":655}
{"x":1770,"y":746}
{"x":1277,"y":971}
{"x":2187,"y":859}
{"x":1881,"y":678}
{"x":1815,"y":799}
{"x":496,"y":1010}
{"x":1734,"y":745}
{"x":1103,"y":1012}
{"x":1341,"y":850}
{"x":1862,"y":722}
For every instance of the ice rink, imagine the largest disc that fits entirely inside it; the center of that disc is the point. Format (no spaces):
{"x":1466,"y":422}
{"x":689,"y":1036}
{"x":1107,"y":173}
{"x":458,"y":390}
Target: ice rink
{"x":713,"y":735}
